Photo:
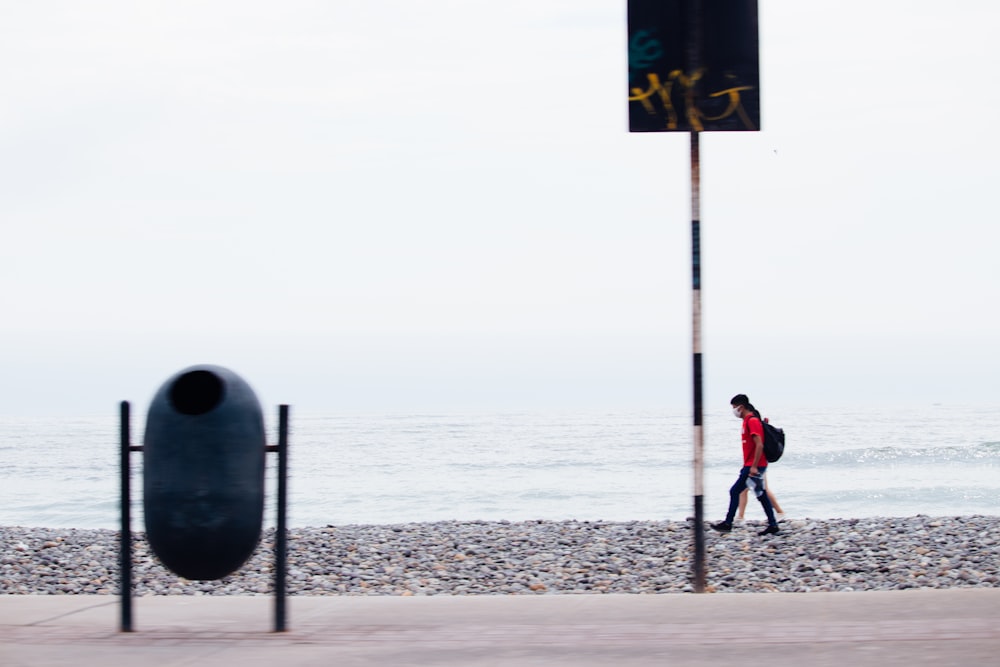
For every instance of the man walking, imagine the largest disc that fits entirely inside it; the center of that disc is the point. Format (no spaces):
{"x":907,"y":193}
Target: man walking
{"x":754,"y":466}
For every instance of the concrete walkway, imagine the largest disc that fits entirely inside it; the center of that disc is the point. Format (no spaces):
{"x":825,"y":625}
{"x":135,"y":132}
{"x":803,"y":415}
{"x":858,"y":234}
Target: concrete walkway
{"x":929,"y":627}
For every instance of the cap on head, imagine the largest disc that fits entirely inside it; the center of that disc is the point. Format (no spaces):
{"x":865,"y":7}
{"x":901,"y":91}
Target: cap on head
{"x":740,"y":399}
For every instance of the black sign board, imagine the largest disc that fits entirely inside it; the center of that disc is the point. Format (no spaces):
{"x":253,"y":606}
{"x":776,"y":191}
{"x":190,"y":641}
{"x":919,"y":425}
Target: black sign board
{"x":680,"y":83}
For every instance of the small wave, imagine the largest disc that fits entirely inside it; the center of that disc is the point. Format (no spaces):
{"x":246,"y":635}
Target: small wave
{"x":560,"y":465}
{"x":987,"y":453}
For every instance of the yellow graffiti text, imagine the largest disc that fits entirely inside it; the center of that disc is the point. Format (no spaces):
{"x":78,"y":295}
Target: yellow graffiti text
{"x":662,"y":91}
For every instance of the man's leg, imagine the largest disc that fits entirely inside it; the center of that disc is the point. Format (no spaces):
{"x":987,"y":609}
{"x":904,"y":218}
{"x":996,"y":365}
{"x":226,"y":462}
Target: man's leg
{"x":734,"y":500}
{"x":756,"y":484}
{"x":734,"y":494}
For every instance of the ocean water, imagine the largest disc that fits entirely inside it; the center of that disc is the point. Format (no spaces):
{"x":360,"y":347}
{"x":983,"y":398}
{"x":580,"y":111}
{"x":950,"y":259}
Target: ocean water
{"x":396,"y":468}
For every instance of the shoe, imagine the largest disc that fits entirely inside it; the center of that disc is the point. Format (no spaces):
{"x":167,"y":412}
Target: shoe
{"x":770,"y":530}
{"x":779,"y":517}
{"x":722,"y":526}
{"x":737,"y":521}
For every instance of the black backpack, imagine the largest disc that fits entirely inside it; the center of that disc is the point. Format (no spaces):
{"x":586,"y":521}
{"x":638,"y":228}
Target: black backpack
{"x":774,"y":441}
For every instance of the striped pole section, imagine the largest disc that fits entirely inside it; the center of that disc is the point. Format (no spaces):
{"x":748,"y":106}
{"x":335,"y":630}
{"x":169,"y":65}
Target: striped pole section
{"x":694,"y":62}
{"x":699,"y":431}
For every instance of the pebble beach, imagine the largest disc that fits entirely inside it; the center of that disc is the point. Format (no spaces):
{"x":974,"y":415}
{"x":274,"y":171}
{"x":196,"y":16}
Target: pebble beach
{"x":536,"y":558}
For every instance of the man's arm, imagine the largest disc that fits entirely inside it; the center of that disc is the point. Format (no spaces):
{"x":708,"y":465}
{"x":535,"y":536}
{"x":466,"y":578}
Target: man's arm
{"x":758,"y":450}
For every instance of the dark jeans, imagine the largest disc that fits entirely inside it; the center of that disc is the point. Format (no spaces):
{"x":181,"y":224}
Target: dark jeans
{"x":756,"y":486}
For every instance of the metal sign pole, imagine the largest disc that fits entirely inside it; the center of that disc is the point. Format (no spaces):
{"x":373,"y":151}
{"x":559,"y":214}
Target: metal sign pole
{"x":694,"y":63}
{"x":699,"y":431}
{"x":694,"y":66}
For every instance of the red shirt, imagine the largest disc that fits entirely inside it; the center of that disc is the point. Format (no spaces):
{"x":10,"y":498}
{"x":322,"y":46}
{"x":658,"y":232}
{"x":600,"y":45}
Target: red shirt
{"x":752,"y":425}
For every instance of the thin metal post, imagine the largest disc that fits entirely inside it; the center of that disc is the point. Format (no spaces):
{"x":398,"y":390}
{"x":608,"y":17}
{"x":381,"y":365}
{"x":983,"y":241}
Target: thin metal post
{"x":699,"y":431}
{"x":125,"y":553}
{"x":280,"y":536}
{"x":694,"y":63}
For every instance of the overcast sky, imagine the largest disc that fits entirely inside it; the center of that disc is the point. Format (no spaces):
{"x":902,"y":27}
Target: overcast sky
{"x":437,"y":205}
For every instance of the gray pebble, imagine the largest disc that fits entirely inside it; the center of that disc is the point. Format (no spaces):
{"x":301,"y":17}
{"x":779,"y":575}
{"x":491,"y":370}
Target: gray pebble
{"x":536,"y":558}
